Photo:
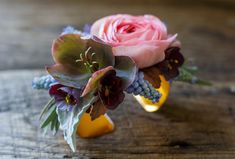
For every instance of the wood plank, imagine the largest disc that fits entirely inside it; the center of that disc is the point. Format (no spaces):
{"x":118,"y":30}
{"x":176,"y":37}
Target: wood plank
{"x":194,"y":123}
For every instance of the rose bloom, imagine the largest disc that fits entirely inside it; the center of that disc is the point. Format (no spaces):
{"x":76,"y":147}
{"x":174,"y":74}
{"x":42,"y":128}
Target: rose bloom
{"x":143,"y":38}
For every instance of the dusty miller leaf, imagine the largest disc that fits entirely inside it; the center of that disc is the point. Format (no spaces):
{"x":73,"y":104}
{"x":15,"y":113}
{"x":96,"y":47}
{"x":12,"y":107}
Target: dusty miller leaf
{"x":69,"y":119}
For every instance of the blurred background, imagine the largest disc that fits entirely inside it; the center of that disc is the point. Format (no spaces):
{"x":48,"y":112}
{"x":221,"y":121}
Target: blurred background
{"x":206,"y":29}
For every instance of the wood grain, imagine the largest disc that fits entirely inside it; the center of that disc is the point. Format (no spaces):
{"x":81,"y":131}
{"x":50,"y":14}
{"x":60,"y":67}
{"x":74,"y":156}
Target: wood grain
{"x":196,"y":122}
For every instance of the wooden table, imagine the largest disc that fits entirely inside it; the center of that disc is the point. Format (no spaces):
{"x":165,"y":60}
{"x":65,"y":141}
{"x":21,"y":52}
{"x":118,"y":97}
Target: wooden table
{"x":195,"y":122}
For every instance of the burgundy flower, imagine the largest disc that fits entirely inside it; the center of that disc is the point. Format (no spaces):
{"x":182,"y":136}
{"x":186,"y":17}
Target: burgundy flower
{"x":173,"y":60}
{"x":66,"y":97}
{"x":110,"y":90}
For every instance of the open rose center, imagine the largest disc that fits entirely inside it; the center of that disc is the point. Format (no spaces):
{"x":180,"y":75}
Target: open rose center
{"x":126,"y":28}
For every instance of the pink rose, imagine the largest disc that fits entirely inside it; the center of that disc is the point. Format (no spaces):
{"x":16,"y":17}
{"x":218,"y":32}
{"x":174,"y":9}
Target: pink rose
{"x":143,"y":38}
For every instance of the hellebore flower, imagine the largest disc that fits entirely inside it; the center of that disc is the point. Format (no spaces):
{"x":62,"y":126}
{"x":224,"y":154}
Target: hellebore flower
{"x":66,"y":97}
{"x":173,"y":60}
{"x":110,"y":90}
{"x":77,"y":59}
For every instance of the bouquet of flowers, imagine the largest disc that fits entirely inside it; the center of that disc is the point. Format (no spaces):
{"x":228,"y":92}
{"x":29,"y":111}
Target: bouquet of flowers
{"x":94,"y":68}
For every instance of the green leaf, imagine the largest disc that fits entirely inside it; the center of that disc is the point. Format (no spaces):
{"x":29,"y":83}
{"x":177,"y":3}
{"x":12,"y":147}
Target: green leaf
{"x":126,"y":69}
{"x":69,"y":119}
{"x":45,"y":129}
{"x":187,"y":75}
{"x":51,"y":121}
{"x":50,"y":117}
{"x":50,"y":103}
{"x":94,"y":80}
{"x":57,"y":126}
{"x":52,"y":127}
{"x":192,"y":69}
{"x":202,"y":82}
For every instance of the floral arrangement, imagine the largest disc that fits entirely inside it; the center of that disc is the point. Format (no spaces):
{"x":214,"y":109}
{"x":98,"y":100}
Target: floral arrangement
{"x":94,"y":68}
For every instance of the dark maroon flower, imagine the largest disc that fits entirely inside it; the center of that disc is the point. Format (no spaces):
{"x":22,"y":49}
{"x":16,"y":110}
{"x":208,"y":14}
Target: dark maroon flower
{"x":66,"y":97}
{"x":173,"y":60}
{"x":110,"y":90}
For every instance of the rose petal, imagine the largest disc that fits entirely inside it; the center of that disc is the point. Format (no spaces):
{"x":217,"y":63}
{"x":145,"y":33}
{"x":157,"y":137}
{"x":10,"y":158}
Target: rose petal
{"x":154,"y":54}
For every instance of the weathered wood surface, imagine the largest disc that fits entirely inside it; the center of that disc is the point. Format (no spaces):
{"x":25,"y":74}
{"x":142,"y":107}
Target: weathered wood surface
{"x":194,"y":123}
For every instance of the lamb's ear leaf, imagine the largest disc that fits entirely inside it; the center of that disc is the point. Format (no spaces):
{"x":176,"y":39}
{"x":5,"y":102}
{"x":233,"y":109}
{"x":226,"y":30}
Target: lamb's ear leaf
{"x":126,"y":69}
{"x":70,"y":119}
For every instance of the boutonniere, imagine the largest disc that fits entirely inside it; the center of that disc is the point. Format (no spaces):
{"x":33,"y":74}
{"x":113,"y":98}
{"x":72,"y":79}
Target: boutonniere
{"x":93,"y":69}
